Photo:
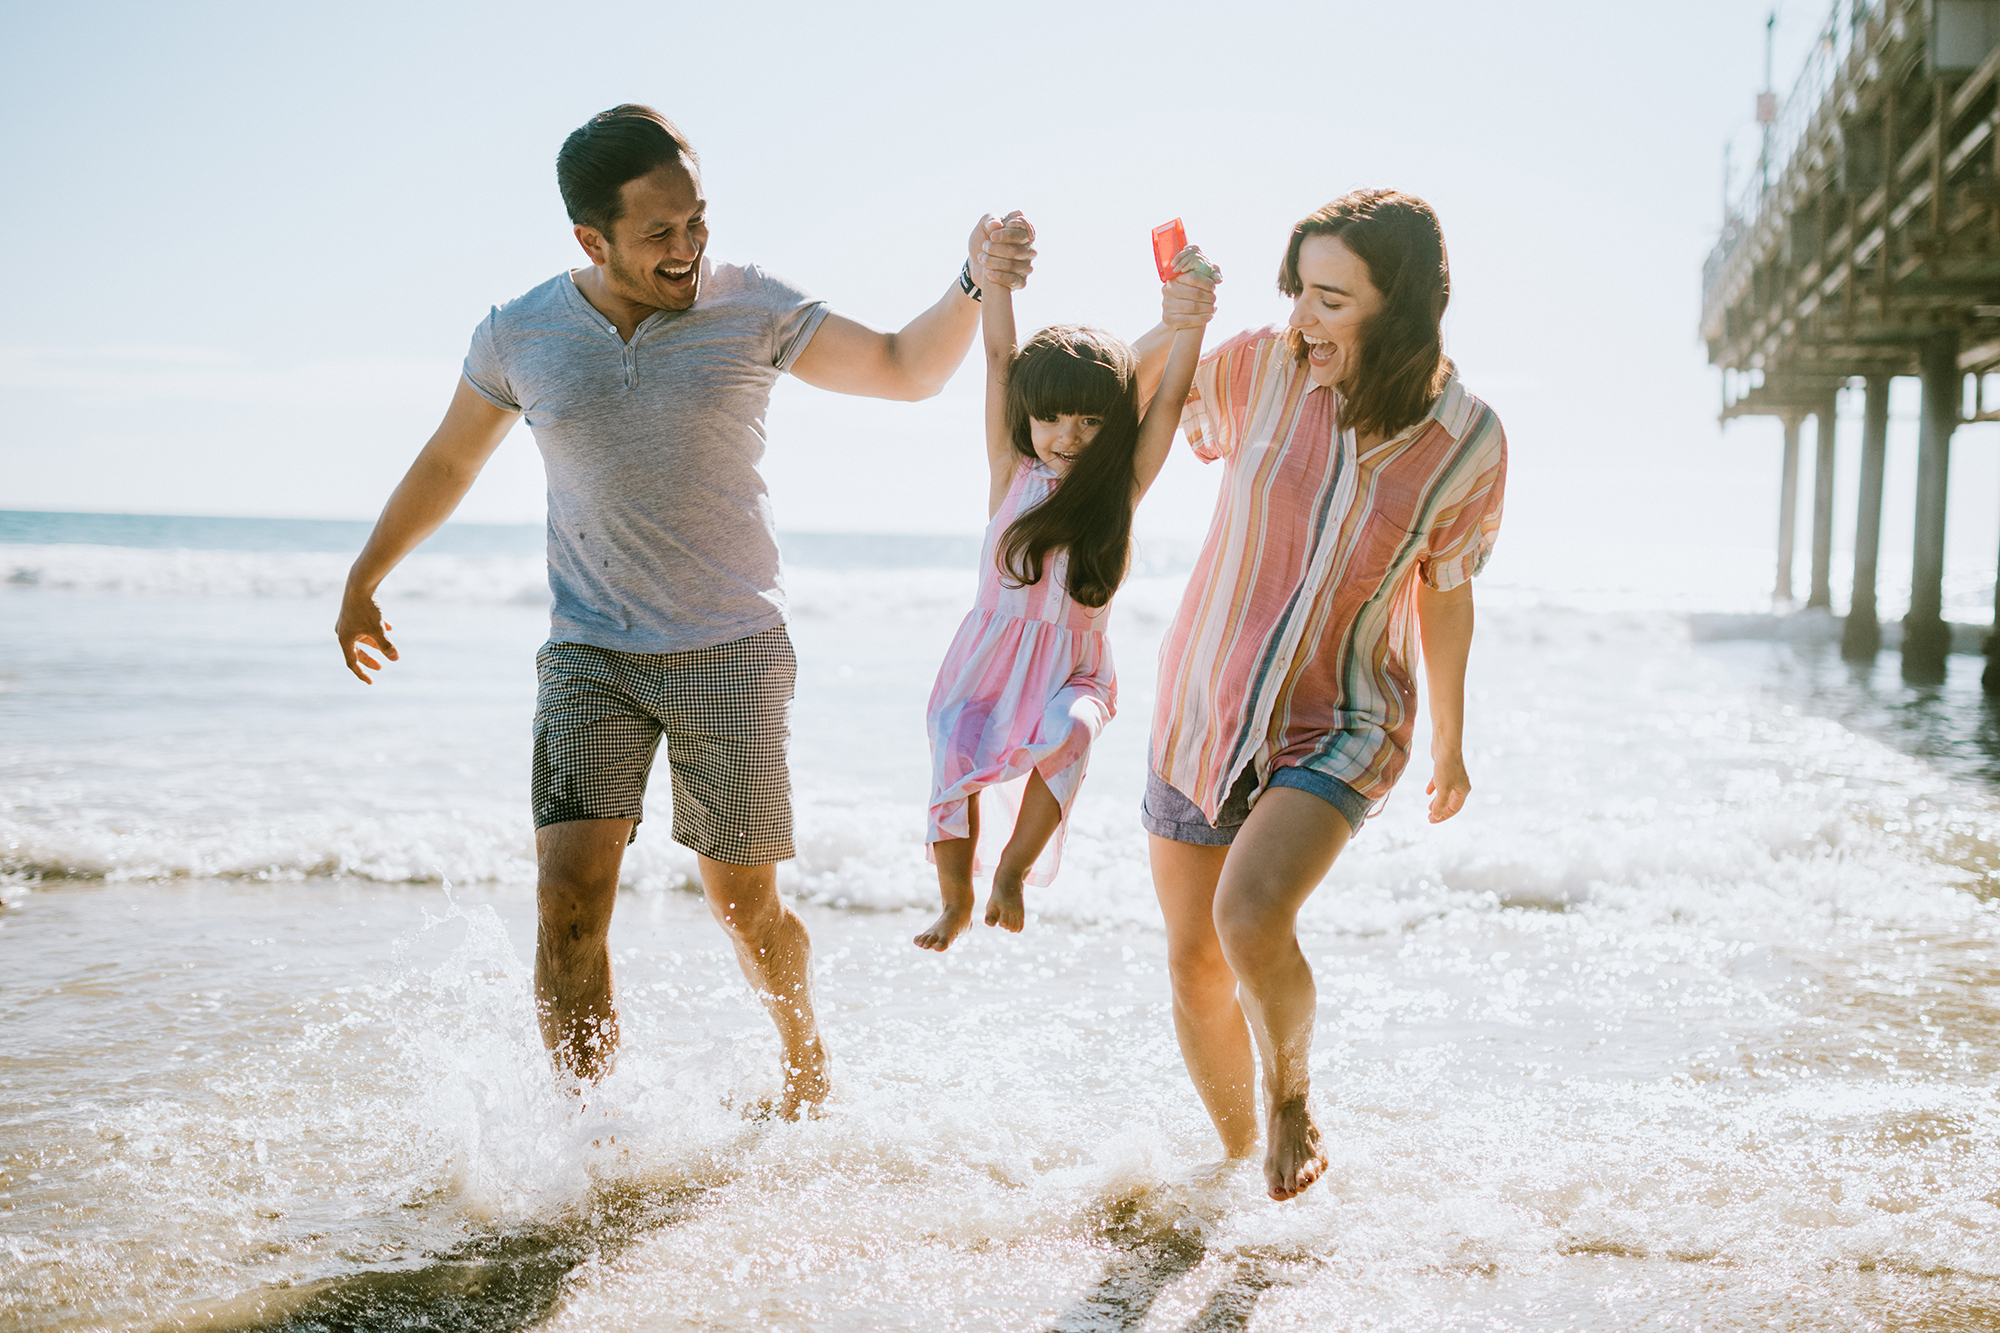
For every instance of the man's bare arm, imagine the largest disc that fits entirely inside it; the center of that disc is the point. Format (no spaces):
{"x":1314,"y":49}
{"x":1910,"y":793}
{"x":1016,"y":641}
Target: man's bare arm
{"x":444,"y":471}
{"x":915,"y":362}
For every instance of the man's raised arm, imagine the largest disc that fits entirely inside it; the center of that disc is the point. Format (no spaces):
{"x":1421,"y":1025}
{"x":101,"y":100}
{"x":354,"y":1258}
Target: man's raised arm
{"x":914,"y":363}
{"x":444,"y":471}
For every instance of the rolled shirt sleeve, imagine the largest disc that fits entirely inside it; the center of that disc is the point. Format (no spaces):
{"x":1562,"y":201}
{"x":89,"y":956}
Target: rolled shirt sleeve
{"x":1467,"y":522}
{"x":1225,"y":390}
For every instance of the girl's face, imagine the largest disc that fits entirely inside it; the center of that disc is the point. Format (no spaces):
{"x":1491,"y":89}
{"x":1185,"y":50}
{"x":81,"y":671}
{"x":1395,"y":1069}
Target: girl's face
{"x":1058,"y":440}
{"x":1336,"y":298}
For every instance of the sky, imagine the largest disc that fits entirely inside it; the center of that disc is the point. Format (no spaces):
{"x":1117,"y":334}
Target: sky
{"x":245,"y":245}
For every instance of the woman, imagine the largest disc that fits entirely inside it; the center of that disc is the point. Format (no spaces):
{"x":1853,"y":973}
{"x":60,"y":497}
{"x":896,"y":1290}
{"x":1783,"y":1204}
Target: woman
{"x":1362,"y":493}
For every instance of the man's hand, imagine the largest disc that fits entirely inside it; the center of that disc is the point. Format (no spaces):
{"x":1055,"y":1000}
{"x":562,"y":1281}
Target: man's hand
{"x":361,"y":622}
{"x":1188,"y":302}
{"x":1449,"y":785}
{"x":1003,"y":251}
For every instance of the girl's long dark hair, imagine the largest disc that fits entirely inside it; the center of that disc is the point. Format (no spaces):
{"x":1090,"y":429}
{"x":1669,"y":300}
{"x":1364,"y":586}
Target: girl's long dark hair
{"x":1402,"y":367}
{"x":1071,"y":370}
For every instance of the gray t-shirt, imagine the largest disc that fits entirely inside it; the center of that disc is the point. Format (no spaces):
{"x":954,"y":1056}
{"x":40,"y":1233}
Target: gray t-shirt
{"x":660,"y":531}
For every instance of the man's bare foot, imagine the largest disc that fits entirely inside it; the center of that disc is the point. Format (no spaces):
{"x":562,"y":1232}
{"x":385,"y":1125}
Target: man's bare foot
{"x":1209,"y":1174}
{"x":1003,"y":904}
{"x":957,"y":915}
{"x":1294,"y":1160}
{"x":806,"y":1084}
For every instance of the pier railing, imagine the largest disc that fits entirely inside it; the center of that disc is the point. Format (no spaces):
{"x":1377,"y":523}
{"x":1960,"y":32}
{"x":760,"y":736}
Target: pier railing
{"x":1836,"y":44}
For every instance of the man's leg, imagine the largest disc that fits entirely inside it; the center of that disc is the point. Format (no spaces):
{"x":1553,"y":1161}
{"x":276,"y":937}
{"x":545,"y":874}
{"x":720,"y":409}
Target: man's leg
{"x":576,"y":884}
{"x":726,"y":712}
{"x":1284,"y":850}
{"x":776,"y":958}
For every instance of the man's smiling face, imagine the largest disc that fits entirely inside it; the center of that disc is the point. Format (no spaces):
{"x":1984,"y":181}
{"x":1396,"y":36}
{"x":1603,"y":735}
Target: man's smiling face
{"x":653,"y":255}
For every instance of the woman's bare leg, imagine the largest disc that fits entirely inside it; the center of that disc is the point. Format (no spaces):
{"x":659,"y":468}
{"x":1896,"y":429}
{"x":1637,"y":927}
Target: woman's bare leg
{"x":1279,"y":857}
{"x":954,"y":867}
{"x":1215,"y":1041}
{"x":1040,"y":815}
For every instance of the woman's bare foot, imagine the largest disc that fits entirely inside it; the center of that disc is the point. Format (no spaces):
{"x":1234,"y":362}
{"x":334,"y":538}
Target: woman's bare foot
{"x":1295,"y":1159}
{"x":955,"y":917}
{"x":806,"y":1084}
{"x":1003,"y":904}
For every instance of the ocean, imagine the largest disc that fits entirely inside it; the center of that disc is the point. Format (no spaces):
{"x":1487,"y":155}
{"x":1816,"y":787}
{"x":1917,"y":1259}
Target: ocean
{"x":1690,"y":1021}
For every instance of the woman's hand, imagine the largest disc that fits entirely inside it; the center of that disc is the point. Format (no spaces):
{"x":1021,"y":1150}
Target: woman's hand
{"x":1449,"y":785}
{"x":1002,"y":251}
{"x":1188,"y":302}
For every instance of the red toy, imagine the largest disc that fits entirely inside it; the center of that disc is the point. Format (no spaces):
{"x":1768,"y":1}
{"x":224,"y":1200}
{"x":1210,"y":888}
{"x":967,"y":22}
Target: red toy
{"x":1169,"y":239}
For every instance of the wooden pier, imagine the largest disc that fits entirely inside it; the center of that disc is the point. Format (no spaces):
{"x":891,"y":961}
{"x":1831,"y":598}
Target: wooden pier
{"x":1866,"y":247}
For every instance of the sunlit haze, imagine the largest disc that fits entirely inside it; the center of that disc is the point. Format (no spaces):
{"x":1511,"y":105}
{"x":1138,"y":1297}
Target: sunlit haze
{"x":247,"y":245}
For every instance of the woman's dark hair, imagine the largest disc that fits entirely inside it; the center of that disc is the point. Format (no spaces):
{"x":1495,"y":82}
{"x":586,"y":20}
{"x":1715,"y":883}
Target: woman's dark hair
{"x":1402,"y":368}
{"x":609,"y":149}
{"x":1075,"y":371}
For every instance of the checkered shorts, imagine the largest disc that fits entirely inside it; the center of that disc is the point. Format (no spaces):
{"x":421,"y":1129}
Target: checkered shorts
{"x":599,"y":716}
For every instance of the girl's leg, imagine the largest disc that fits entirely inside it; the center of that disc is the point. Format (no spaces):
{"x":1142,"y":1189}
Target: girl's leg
{"x":1215,"y":1041}
{"x":1033,"y":827}
{"x":954,"y":867}
{"x":1279,"y":857}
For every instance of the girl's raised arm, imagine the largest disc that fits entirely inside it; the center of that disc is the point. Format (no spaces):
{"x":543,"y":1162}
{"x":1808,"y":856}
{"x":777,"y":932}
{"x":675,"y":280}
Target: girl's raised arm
{"x":1163,"y":413}
{"x":996,"y":319}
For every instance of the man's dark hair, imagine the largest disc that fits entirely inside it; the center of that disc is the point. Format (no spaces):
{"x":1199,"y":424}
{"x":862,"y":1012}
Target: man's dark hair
{"x":611,"y":148}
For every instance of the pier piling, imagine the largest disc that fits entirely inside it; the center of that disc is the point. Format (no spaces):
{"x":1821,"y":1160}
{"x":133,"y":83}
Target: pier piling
{"x":1821,"y":592}
{"x":1861,"y":635}
{"x":1788,"y":510}
{"x":1926,"y":636}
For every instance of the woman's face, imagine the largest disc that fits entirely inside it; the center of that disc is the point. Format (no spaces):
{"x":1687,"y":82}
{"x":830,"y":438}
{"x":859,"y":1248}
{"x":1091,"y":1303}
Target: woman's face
{"x":1336,"y":298}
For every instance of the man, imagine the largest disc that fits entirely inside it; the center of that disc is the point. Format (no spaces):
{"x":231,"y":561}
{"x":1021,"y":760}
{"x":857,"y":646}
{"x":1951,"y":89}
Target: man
{"x":645,"y":378}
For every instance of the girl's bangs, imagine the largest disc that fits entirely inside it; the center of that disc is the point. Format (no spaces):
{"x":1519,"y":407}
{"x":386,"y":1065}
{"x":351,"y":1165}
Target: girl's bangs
{"x":1064,"y":379}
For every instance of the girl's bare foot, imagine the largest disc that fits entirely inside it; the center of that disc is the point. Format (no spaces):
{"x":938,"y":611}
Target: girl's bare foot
{"x":1003,"y":904}
{"x":1295,"y":1159}
{"x":955,"y":917}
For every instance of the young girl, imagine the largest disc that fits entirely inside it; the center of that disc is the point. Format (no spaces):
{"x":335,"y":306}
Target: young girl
{"x":1028,"y":684}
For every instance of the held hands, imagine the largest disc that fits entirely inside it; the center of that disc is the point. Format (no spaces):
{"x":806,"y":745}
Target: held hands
{"x":1449,"y":785}
{"x":1002,"y":251}
{"x":361,"y":622}
{"x":1188,"y":302}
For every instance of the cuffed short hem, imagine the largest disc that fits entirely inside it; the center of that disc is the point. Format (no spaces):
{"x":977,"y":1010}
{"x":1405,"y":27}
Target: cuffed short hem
{"x":1167,"y":813}
{"x":1353,"y":806}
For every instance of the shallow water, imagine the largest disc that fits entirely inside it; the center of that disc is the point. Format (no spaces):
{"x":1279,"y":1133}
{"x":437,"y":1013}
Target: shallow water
{"x":1688,"y":1022}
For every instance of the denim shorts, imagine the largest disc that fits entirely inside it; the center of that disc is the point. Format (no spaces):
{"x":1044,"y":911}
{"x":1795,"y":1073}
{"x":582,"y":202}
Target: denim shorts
{"x":1169,"y":814}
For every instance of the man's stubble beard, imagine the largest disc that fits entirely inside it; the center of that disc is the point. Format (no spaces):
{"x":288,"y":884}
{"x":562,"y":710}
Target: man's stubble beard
{"x":639,"y":286}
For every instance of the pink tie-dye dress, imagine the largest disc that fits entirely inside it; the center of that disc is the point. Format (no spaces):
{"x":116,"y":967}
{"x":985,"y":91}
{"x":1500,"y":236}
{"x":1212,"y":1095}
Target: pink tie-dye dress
{"x":1026,"y":686}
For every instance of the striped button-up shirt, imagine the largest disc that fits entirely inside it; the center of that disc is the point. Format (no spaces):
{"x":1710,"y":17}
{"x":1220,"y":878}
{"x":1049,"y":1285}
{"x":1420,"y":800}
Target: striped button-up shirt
{"x":1297,"y":636}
